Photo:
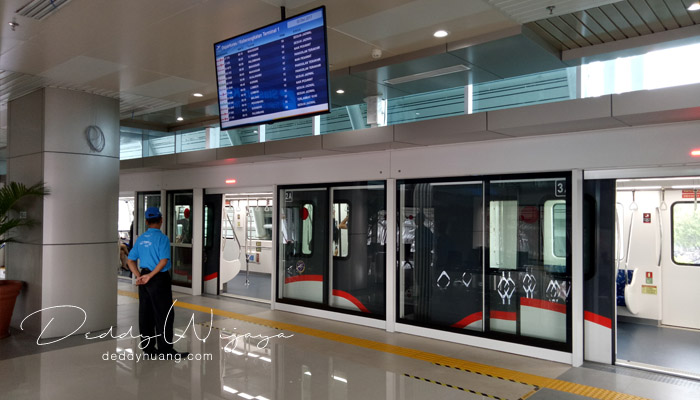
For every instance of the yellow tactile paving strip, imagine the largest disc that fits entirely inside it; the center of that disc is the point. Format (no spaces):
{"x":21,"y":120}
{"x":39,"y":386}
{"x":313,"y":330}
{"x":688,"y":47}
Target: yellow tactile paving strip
{"x":467,"y":366}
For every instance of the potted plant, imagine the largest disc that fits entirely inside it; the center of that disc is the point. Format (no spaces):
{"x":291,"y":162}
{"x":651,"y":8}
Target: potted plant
{"x":13,"y":197}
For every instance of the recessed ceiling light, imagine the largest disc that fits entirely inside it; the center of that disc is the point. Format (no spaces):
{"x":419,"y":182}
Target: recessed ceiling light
{"x":440,"y":34}
{"x":180,"y":119}
{"x":197,"y":95}
{"x":340,"y":91}
{"x":695,"y":6}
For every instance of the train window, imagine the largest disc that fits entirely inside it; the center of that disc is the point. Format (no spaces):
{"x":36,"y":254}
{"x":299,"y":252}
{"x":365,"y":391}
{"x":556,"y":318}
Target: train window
{"x":144,"y":201}
{"x":259,"y":223}
{"x":685,"y":239}
{"x":503,"y":238}
{"x":341,"y":227}
{"x":555,"y":232}
{"x":307,"y":218}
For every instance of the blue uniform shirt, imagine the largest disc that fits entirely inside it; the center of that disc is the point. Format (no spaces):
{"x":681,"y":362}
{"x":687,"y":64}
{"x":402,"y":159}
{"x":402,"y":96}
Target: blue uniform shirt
{"x":151,"y":247}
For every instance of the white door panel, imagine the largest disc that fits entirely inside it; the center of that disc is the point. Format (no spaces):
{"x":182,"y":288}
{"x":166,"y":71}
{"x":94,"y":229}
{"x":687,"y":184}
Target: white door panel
{"x":681,"y":299}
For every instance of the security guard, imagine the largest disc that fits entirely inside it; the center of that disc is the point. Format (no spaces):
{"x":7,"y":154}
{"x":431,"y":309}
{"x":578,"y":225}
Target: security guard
{"x":153,"y":280}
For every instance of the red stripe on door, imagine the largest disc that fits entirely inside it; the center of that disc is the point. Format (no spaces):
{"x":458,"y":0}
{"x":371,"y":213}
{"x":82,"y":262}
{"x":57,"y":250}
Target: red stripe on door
{"x":597,"y":319}
{"x":543,"y":304}
{"x":468,"y":320}
{"x":304,"y":278}
{"x":504,"y":315}
{"x":351,"y":298}
{"x":211,"y":276}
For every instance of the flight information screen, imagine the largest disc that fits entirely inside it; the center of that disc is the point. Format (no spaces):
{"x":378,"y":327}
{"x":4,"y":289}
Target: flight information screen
{"x":276,"y":72}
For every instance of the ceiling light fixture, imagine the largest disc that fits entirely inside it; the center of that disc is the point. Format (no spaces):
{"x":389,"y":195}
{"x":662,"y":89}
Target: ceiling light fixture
{"x":695,"y":153}
{"x":695,"y":6}
{"x":340,"y":91}
{"x":440,"y":34}
{"x":197,"y":95}
{"x":180,"y":119}
{"x":429,"y":74}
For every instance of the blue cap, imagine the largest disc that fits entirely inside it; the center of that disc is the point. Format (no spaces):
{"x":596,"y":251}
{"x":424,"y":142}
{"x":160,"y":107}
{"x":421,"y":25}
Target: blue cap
{"x":152,"y":212}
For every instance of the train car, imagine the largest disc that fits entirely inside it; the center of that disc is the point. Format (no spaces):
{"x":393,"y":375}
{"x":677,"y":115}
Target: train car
{"x":647,"y":240}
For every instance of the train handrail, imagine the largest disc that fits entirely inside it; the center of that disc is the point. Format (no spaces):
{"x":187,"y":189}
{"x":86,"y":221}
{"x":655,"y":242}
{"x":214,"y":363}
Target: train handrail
{"x":233,"y":230}
{"x":620,"y":240}
{"x":629,"y":243}
{"x":661,"y":235}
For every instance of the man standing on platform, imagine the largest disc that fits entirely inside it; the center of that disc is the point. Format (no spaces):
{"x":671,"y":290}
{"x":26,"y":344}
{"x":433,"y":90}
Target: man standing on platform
{"x":152,"y":248}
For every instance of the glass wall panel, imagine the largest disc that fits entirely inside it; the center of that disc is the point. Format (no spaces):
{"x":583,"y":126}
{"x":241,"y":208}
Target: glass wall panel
{"x":528,"y":285}
{"x":359,"y":248}
{"x":235,"y":137}
{"x":191,"y":140}
{"x":179,"y":222}
{"x":424,"y":106}
{"x":440,"y":249}
{"x":490,"y":257}
{"x":158,"y":143}
{"x":289,"y":129}
{"x":144,"y":201}
{"x":130,"y":145}
{"x":303,"y":251}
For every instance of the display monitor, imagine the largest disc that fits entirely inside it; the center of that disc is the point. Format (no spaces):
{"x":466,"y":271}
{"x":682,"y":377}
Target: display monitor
{"x":273,"y":73}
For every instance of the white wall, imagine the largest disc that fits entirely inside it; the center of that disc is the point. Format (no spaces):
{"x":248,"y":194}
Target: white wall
{"x":630,"y":147}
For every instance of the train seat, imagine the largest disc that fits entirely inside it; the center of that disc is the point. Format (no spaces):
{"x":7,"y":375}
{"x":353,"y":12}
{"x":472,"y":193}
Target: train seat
{"x":628,"y":290}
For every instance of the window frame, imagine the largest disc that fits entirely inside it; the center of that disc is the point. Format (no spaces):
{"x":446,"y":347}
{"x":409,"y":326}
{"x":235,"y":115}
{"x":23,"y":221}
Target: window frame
{"x":673,"y":234}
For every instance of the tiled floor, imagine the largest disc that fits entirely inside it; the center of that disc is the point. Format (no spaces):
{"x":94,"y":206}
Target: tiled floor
{"x":235,"y":362}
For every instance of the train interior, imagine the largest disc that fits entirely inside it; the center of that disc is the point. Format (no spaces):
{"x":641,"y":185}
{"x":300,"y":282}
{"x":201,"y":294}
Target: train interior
{"x":246,"y":255}
{"x":657,"y":263}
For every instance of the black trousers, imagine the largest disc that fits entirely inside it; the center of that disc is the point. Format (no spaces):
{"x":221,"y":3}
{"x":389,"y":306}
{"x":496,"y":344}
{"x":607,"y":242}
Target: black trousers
{"x":155,"y":314}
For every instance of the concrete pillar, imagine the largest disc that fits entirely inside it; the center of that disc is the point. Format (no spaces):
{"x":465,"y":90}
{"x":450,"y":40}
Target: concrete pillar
{"x":71,"y":258}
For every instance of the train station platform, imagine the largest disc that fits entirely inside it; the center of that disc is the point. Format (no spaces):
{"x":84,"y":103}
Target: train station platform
{"x":241,"y":349}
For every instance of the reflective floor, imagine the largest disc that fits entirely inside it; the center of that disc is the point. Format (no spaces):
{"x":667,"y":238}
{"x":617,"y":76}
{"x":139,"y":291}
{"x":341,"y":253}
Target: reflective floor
{"x":258,"y":286}
{"x":246,"y":351}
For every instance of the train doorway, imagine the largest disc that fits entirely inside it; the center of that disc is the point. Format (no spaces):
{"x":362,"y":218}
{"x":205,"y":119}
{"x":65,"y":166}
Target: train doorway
{"x":125,"y":226}
{"x":246,"y":252}
{"x":657,"y":265}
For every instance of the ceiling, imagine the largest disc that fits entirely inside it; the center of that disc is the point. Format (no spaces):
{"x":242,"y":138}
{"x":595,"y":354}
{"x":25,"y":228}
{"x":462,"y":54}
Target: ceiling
{"x":154,"y":54}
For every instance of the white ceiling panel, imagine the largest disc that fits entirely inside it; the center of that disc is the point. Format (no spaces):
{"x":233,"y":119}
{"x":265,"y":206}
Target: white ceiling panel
{"x":166,"y":87}
{"x":525,"y":11}
{"x":416,"y":15}
{"x":288,"y":3}
{"x":81,"y":69}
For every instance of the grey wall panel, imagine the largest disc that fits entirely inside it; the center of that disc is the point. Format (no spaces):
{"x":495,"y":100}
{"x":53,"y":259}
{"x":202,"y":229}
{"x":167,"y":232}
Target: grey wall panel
{"x":560,"y":117}
{"x":28,"y":169}
{"x":461,"y":128}
{"x":26,"y":124}
{"x":309,"y":146}
{"x":675,"y":104}
{"x":131,"y":164}
{"x":196,"y":156}
{"x":24,"y":264}
{"x":82,"y":207}
{"x":81,"y":276}
{"x":371,"y":139}
{"x":166,"y":161}
{"x":245,"y":153}
{"x":69,"y":113}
